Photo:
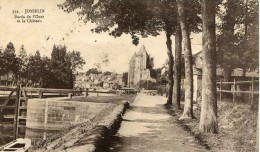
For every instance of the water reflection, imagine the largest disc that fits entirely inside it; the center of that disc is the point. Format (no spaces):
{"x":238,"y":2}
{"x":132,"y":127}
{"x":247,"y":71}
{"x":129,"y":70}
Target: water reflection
{"x":37,"y":135}
{"x":7,"y":132}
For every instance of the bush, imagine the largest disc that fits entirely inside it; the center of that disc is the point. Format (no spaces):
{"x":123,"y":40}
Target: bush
{"x":162,"y":89}
{"x":148,"y":85}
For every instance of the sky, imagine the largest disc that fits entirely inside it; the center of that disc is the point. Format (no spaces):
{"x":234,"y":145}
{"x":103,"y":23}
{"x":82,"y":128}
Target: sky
{"x":58,"y":27}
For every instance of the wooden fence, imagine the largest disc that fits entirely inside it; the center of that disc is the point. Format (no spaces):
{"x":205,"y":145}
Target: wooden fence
{"x":234,"y":90}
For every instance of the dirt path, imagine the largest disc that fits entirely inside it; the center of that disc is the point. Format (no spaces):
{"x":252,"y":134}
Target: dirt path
{"x":147,"y":127}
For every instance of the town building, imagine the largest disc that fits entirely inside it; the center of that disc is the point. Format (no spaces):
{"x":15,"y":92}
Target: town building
{"x":83,"y":81}
{"x":140,"y":67}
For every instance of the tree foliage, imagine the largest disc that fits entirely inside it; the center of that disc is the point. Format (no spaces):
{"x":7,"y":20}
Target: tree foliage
{"x":37,"y":71}
{"x":9,"y":60}
{"x":63,"y":64}
{"x":237,"y":38}
{"x":115,"y":17}
{"x":22,"y":62}
{"x":93,"y":71}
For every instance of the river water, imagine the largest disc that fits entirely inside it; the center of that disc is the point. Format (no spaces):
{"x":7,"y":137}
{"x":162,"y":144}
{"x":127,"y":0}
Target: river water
{"x":7,"y":133}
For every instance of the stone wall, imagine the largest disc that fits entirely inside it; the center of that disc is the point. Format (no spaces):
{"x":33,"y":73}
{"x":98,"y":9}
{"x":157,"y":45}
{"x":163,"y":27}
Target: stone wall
{"x":92,"y":136}
{"x":99,"y":137}
{"x":51,"y":114}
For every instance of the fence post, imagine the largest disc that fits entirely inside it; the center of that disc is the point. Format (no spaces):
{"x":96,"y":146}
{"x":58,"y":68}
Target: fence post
{"x":252,"y":94}
{"x":45,"y":118}
{"x":220,"y":90}
{"x":40,"y":94}
{"x":16,"y":121}
{"x":87,"y":92}
{"x":234,"y":90}
{"x":70,"y":95}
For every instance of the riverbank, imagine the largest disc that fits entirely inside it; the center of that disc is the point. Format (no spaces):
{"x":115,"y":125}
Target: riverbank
{"x":237,"y":127}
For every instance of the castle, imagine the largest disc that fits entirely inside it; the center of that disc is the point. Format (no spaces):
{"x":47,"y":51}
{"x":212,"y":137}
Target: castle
{"x":140,"y":67}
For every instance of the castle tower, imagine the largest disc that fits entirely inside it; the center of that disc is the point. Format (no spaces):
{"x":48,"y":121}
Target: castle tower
{"x":139,"y":67}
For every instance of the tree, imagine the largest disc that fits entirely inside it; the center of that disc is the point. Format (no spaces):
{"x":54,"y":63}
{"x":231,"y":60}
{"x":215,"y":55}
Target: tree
{"x":107,"y":73}
{"x":177,"y":69}
{"x":92,"y":71}
{"x":2,"y":67}
{"x":46,"y":75}
{"x":192,"y":20}
{"x":188,"y":84}
{"x":59,"y":68}
{"x":23,"y":61}
{"x":147,"y":85}
{"x":237,"y":39}
{"x":34,"y":69}
{"x":170,"y":74}
{"x":10,"y":62}
{"x":168,"y":16}
{"x":227,"y":40}
{"x":208,"y":116}
{"x":63,"y":64}
{"x":165,"y":12}
{"x":75,"y":60}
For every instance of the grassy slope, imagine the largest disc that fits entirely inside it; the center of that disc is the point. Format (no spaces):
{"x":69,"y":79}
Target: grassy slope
{"x":237,"y":127}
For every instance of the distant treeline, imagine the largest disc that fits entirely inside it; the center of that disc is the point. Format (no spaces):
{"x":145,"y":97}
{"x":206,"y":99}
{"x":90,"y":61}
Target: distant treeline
{"x":40,"y":71}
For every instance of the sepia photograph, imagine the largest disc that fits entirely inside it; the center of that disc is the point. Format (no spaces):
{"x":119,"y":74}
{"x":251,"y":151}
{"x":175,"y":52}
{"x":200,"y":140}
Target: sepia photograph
{"x":129,"y":75}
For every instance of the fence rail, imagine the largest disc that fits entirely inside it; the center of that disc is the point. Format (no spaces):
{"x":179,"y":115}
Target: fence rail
{"x":234,"y":91}
{"x":237,"y":82}
{"x":7,"y":88}
{"x":230,"y":91}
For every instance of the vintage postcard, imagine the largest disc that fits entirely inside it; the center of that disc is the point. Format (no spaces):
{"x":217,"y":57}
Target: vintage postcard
{"x":129,"y":75}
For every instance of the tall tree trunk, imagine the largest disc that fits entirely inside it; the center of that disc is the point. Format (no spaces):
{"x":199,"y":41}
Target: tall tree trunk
{"x":177,"y":69}
{"x":208,"y":116}
{"x":188,"y":83}
{"x":170,"y":71}
{"x":228,"y":32}
{"x":244,"y":86}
